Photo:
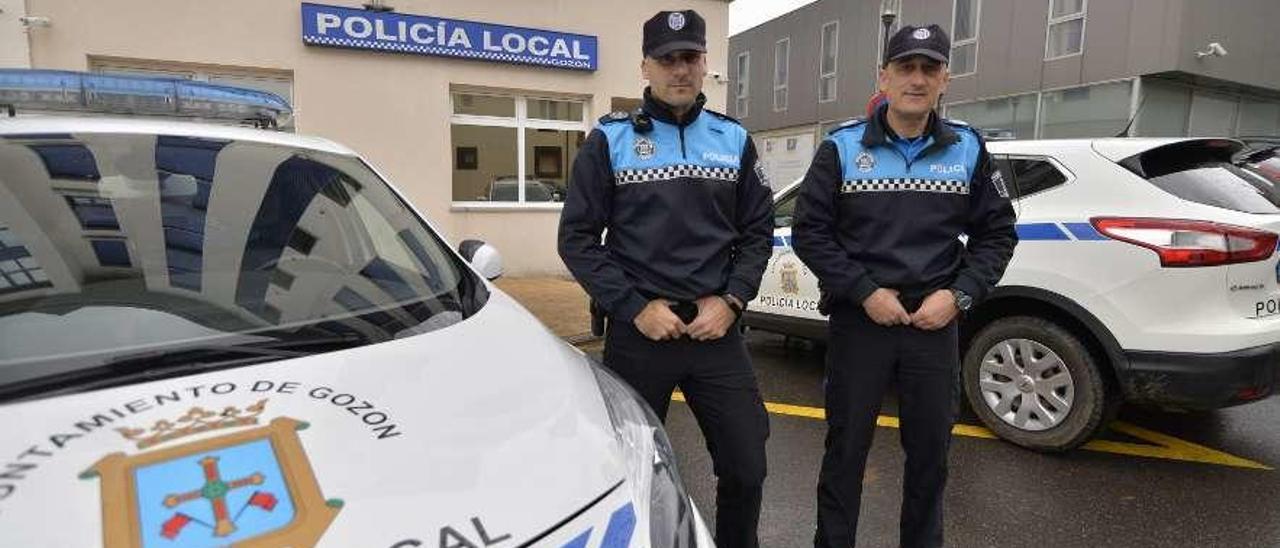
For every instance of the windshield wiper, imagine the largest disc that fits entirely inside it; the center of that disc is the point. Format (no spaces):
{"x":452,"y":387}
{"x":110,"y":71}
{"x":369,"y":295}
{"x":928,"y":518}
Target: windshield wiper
{"x":165,"y":364}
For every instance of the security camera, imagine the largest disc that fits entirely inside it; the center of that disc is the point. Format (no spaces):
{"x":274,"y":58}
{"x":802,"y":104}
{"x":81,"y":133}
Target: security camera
{"x":1215,"y":50}
{"x":30,"y":21}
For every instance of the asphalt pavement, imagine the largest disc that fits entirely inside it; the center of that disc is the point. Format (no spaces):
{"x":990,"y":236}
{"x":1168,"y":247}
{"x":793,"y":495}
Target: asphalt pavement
{"x":1153,"y":479}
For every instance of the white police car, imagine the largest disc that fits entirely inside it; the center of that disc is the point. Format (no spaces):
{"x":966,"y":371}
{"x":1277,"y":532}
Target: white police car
{"x":1146,"y":272}
{"x":214,"y":335}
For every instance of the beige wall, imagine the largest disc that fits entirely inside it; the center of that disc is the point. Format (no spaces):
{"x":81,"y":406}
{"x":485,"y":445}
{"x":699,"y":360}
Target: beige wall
{"x":13,"y":38}
{"x":392,"y":108}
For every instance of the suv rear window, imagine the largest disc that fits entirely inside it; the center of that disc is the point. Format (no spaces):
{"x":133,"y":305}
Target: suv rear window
{"x":1203,"y":172}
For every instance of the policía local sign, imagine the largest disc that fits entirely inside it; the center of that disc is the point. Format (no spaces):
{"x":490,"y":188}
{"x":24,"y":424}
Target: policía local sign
{"x":336,"y":26}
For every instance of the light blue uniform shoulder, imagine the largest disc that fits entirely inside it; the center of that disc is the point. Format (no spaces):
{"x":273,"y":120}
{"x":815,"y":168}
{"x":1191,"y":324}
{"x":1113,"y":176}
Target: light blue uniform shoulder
{"x":846,"y":125}
{"x":615,"y":117}
{"x":961,"y":125}
{"x":722,"y":116}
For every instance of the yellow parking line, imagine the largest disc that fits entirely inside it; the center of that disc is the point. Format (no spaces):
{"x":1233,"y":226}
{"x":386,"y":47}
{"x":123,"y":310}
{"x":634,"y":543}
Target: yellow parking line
{"x":1163,"y":446}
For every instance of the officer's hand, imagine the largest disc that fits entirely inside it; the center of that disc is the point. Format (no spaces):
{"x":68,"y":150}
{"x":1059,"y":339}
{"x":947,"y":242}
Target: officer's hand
{"x":937,"y":310}
{"x":657,"y":322}
{"x":713,"y":321}
{"x":885,"y":309}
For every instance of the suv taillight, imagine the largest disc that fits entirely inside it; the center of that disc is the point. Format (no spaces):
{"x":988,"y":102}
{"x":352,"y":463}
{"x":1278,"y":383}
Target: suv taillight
{"x":1183,"y":243}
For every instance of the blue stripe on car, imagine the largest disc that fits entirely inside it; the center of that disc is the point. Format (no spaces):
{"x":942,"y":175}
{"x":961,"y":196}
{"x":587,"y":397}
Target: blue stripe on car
{"x":1041,"y":231}
{"x":1028,"y":232}
{"x":580,"y":541}
{"x":1084,"y":231}
{"x":621,"y":525}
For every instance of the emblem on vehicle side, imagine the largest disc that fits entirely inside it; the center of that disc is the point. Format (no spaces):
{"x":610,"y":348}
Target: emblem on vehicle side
{"x":249,"y":488}
{"x":645,"y":148}
{"x":865,"y":161}
{"x":789,"y":275}
{"x":675,"y":20}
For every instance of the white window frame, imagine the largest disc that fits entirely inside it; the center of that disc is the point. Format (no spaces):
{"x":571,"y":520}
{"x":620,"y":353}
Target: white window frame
{"x":1048,"y":30}
{"x":781,"y":86}
{"x":520,"y":122}
{"x":977,"y":26}
{"x":835,"y":65}
{"x":742,"y":90}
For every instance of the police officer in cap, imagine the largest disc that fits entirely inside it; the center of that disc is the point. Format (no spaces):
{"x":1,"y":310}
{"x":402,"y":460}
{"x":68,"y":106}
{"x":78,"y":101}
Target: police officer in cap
{"x":689,"y":232}
{"x":878,"y":220}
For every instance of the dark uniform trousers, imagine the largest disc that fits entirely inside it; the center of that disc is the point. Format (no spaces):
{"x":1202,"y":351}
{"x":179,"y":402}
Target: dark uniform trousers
{"x":863,"y":358}
{"x":720,"y":387}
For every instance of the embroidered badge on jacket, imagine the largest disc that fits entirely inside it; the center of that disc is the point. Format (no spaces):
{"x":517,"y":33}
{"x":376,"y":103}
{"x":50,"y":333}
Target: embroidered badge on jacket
{"x":865,"y":161}
{"x":645,"y":148}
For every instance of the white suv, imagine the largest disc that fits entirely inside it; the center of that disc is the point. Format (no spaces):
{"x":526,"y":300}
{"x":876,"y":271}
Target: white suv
{"x":1146,"y":271}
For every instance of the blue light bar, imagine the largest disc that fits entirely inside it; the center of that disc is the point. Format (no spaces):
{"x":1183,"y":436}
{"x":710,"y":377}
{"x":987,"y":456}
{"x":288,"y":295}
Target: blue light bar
{"x":28,"y":89}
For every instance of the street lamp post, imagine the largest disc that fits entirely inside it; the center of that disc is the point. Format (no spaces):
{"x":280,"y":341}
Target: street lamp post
{"x":889,"y":10}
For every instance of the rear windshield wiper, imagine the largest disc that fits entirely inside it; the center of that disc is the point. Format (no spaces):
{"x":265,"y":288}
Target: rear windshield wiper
{"x":164,"y":364}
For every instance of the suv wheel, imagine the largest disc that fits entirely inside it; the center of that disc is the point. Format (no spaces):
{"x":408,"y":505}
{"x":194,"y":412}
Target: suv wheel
{"x":1035,"y":384}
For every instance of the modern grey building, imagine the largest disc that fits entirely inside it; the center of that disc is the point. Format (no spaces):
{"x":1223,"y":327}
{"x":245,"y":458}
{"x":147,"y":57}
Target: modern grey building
{"x":1020,"y":69}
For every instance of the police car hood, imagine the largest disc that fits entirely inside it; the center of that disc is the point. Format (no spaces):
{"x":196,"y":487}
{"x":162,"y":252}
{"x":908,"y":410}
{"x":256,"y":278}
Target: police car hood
{"x":488,"y":432}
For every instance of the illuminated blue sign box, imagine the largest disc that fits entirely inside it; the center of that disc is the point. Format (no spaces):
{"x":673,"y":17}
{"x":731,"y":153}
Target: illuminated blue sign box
{"x":341,"y":27}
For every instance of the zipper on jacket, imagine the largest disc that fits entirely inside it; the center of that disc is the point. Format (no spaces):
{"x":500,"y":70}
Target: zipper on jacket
{"x":905,"y":160}
{"x":682,"y":153}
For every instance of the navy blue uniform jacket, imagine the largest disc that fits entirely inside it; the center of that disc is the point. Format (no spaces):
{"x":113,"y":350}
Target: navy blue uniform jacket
{"x":875,"y":213}
{"x":686,"y":211}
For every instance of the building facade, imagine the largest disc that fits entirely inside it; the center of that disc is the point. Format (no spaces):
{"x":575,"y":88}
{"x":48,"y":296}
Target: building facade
{"x":474,"y":109}
{"x":1020,"y":69}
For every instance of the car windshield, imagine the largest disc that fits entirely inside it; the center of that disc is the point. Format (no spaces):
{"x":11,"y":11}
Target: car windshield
{"x":129,"y":251}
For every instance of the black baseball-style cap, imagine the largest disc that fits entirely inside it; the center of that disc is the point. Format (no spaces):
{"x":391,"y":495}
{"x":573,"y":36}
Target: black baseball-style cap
{"x":670,"y":31}
{"x":930,"y":41}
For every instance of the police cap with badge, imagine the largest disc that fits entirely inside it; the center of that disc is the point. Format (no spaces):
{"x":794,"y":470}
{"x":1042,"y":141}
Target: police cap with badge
{"x":671,"y":31}
{"x":930,"y":41}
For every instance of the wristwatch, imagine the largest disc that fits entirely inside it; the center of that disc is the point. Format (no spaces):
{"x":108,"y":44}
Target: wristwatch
{"x":963,"y":301}
{"x":734,"y":304}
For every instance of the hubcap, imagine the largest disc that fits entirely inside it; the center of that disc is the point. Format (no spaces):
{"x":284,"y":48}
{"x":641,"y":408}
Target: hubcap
{"x":1026,"y":384}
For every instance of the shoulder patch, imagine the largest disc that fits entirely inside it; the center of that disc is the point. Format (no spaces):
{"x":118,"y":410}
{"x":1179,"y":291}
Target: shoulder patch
{"x":853,"y":122}
{"x":722,"y":116}
{"x":615,"y":116}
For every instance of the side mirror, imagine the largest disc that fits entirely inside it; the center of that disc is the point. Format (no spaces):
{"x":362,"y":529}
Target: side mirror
{"x":483,"y":257}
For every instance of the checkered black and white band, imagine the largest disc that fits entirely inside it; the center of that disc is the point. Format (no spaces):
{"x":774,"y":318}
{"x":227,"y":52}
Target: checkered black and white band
{"x":445,"y":52}
{"x":669,"y":173}
{"x":904,"y":185}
